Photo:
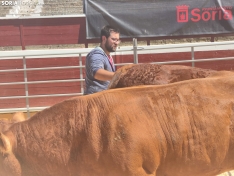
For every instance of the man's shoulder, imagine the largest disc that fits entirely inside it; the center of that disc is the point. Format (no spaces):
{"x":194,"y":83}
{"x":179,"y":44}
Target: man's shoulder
{"x":96,"y":50}
{"x":96,"y":53}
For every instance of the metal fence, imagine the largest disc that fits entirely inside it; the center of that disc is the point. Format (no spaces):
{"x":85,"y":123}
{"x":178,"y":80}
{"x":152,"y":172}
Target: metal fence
{"x":133,"y":50}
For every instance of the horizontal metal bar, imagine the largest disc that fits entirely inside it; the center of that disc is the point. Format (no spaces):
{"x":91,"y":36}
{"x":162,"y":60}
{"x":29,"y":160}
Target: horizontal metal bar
{"x":39,"y":96}
{"x":198,"y":60}
{"x":174,"y":46}
{"x":15,"y":55}
{"x":185,"y":45}
{"x":51,"y":68}
{"x":39,"y":82}
{"x":21,"y":53}
{"x":64,"y":52}
{"x":45,"y":68}
{"x":43,"y":56}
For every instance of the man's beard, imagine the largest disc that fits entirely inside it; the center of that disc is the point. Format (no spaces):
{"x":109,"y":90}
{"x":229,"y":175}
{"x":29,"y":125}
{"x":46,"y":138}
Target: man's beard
{"x":109,"y":48}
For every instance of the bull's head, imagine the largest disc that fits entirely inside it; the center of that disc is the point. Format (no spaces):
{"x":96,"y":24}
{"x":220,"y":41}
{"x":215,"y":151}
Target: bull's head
{"x":9,"y":165}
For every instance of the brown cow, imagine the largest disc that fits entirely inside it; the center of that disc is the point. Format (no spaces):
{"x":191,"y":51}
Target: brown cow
{"x":178,"y":129}
{"x":17,"y":117}
{"x":153,"y":74}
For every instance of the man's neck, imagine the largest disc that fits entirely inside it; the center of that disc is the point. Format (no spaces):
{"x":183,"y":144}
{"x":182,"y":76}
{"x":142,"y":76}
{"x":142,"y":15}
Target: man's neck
{"x":104,"y":49}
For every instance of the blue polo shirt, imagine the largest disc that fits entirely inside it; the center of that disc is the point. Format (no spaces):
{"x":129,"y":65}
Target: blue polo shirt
{"x":95,"y":60}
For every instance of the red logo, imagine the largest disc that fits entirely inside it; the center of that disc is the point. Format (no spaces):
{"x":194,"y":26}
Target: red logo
{"x":204,"y":14}
{"x":182,"y":13}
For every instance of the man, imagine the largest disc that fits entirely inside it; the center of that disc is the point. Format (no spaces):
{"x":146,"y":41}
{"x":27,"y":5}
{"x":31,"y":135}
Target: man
{"x":99,"y":63}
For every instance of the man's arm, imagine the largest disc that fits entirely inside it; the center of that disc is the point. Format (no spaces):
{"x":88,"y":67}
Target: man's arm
{"x":103,"y":75}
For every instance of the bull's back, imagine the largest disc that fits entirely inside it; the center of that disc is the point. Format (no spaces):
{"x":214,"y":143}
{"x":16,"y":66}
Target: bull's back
{"x":183,"y":126}
{"x":132,"y":131}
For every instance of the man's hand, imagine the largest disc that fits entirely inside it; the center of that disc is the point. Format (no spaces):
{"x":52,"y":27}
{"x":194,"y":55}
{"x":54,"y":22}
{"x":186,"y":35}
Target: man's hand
{"x":103,"y":75}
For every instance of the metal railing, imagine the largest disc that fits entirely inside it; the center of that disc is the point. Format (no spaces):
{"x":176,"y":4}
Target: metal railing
{"x":133,"y":50}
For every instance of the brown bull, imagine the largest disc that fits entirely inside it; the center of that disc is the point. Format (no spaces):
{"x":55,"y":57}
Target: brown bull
{"x":153,"y":74}
{"x":180,"y":129}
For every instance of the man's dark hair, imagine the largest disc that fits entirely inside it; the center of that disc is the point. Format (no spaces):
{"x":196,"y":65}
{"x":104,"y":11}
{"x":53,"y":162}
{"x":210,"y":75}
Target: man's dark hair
{"x":106,"y":30}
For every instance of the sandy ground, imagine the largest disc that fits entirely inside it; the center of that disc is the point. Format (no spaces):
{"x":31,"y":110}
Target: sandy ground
{"x":8,"y":116}
{"x":231,"y":173}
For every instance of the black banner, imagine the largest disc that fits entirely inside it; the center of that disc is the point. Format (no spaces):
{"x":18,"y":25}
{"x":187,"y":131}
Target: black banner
{"x":152,"y":18}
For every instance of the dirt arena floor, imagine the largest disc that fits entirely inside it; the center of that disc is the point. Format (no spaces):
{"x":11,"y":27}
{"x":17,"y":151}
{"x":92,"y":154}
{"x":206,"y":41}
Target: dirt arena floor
{"x":231,"y":173}
{"x":8,"y":116}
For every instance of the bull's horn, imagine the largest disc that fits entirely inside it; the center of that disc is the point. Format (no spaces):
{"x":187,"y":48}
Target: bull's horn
{"x":5,"y":145}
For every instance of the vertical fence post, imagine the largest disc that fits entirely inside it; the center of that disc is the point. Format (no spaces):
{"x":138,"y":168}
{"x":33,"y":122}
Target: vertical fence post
{"x":192,"y":52}
{"x":26,"y":86}
{"x":81,"y":74}
{"x":135,"y":51}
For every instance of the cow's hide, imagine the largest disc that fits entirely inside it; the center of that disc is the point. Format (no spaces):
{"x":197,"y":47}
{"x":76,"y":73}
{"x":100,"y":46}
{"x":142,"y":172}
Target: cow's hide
{"x":177,"y":129}
{"x":153,"y":74}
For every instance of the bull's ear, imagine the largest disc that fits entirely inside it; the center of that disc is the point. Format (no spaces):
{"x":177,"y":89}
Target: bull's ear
{"x":5,"y":145}
{"x":18,"y":117}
